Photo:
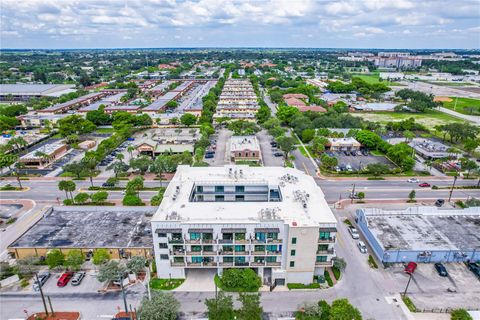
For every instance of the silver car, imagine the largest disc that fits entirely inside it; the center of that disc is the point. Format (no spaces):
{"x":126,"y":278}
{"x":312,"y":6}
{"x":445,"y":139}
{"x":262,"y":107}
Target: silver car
{"x":77,"y":278}
{"x":362,"y":247}
{"x":42,"y":278}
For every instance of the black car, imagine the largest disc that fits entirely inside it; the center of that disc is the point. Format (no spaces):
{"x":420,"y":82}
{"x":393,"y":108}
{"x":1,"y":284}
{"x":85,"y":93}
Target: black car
{"x":365,"y":152}
{"x":439,"y":202}
{"x":346,"y":153}
{"x":209,"y":155}
{"x":107,"y":185}
{"x":278,"y":154}
{"x":273,"y":144}
{"x":353,"y":153}
{"x":442,"y":271}
{"x":475,"y":268}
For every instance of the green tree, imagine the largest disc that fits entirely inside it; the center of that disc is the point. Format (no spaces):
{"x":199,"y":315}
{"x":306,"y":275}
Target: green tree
{"x":100,"y":256}
{"x":339,"y":263}
{"x":460,"y":314}
{"x":286,"y":113}
{"x":132,"y":200}
{"x":341,"y":309}
{"x":328,"y":162}
{"x":136,"y":264}
{"x":99,"y":197}
{"x":377,"y":169}
{"x":188,"y":119}
{"x":118,"y":168}
{"x":74,"y":259}
{"x":81,"y":197}
{"x":162,"y":306}
{"x":161,"y":165}
{"x":220,"y":308}
{"x":361,"y":196}
{"x":409,"y":135}
{"x":286,"y":144}
{"x":468,"y":165}
{"x":134,"y":186}
{"x":76,"y":167}
{"x":307,"y":135}
{"x":18,"y":167}
{"x":68,"y":186}
{"x":55,"y":258}
{"x":411,"y":196}
{"x":251,"y":308}
{"x":264,"y":113}
{"x":141,"y":164}
{"x":112,"y":270}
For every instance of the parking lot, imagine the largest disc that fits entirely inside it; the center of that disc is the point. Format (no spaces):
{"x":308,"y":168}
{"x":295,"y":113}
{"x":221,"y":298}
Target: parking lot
{"x":358,"y":161}
{"x":221,"y":138}
{"x":269,"y":160}
{"x":88,"y":284}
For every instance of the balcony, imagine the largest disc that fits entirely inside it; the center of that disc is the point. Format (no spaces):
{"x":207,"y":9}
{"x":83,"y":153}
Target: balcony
{"x":209,"y":253}
{"x":241,"y":264}
{"x":177,"y":264}
{"x":258,"y":253}
{"x":326,"y":240}
{"x":240,"y":241}
{"x":225,"y":241}
{"x":208,"y":241}
{"x":241,"y":253}
{"x":210,"y":264}
{"x":192,"y":241}
{"x":323,"y":264}
{"x":273,"y":264}
{"x":193,"y":253}
{"x":274,"y":240}
{"x":178,"y":252}
{"x":274,"y":253}
{"x":194,"y":264}
{"x":175,"y":240}
{"x":329,"y":251}
{"x":258,"y":241}
{"x":226,"y":264}
{"x":257,"y":264}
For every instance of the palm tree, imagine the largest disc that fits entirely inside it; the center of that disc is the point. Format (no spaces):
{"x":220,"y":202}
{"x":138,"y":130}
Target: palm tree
{"x":18,"y":167}
{"x":120,"y":157}
{"x":71,"y":186}
{"x":90,"y":164}
{"x":63,"y":186}
{"x":130,"y":150}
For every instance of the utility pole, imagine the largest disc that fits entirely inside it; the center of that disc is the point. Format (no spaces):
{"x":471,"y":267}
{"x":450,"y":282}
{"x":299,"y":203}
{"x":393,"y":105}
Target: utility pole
{"x":408,"y":283}
{"x":353,"y":193}
{"x":123,"y":294}
{"x":453,"y":186}
{"x":41,"y":293}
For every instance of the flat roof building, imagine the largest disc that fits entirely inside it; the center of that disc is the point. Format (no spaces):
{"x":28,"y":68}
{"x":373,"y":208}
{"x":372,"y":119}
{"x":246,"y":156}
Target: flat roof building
{"x":74,"y":103}
{"x":43,"y":156}
{"x":273,"y":220}
{"x":432,"y":150}
{"x":123,"y":231}
{"x":23,"y":92}
{"x":343,"y":144}
{"x":244,"y":148}
{"x":237,"y":97}
{"x":422,"y":234}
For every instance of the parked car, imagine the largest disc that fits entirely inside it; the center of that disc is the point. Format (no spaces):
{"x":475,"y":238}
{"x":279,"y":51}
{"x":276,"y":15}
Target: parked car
{"x":424,"y":185}
{"x":209,"y":155}
{"x":362,"y":247}
{"x":353,"y":232}
{"x":474,"y":267}
{"x":77,"y":278}
{"x":365,"y":152}
{"x":278,"y":154}
{"x":337,"y":168}
{"x":63,"y":281}
{"x":413,"y":180}
{"x":354,"y":196}
{"x":273,"y":144}
{"x":410,"y":268}
{"x":107,"y":185}
{"x":42,"y":278}
{"x":442,"y":271}
{"x":439,"y":202}
{"x":346,"y":153}
{"x":353,"y":153}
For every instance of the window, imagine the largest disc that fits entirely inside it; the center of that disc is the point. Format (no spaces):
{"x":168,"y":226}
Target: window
{"x":228,"y":248}
{"x":259,"y":248}
{"x":239,"y":236}
{"x":272,"y":235}
{"x":239,"y":259}
{"x":227,"y":259}
{"x":196,"y":259}
{"x":324,"y":235}
{"x":219,"y":189}
{"x":239,"y":248}
{"x":196,"y":248}
{"x":162,"y":235}
{"x":208,"y":249}
{"x":259,"y":259}
{"x":292,"y":253}
{"x":207,"y":236}
{"x":162,"y":246}
{"x":199,"y":188}
{"x":260,"y":236}
{"x":322,"y":247}
{"x":164,"y":257}
{"x":272,"y":248}
{"x":200,"y":198}
{"x":294,"y":240}
{"x":219,"y":198}
{"x":271,"y":259}
{"x":321,"y":258}
{"x":239,"y":198}
{"x":239,"y":188}
{"x":195,"y":235}
{"x":292,"y":264}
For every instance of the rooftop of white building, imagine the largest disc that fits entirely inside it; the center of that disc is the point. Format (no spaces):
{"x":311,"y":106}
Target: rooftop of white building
{"x":302,"y":201}
{"x":240,"y":143}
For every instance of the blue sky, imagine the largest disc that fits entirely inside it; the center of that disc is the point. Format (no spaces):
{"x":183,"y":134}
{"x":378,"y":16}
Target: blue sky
{"x":233,"y":23}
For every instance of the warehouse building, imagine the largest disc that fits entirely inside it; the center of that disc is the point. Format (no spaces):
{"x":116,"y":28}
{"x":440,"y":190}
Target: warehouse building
{"x":270,"y":219}
{"x":422,"y":234}
{"x":23,"y":92}
{"x":123,"y":231}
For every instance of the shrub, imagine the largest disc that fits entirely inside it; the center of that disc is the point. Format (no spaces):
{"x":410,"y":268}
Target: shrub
{"x":328,"y":278}
{"x":240,"y":280}
{"x":55,"y":258}
{"x":336,"y":272}
{"x":68,"y":202}
{"x":24,"y":283}
{"x":371,"y":262}
{"x":410,"y":305}
{"x":292,"y":286}
{"x":132,"y":200}
{"x":460,"y":314}
{"x":100,"y":256}
{"x":347,"y":222}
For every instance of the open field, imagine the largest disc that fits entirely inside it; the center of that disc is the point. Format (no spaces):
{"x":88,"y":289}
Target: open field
{"x":451,"y":83}
{"x":464,"y":105}
{"x":374,"y":78}
{"x":428,"y":119}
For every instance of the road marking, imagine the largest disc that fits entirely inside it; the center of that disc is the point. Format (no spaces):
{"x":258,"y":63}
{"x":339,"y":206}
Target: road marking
{"x":31,"y":217}
{"x":305,"y":167}
{"x":106,"y":316}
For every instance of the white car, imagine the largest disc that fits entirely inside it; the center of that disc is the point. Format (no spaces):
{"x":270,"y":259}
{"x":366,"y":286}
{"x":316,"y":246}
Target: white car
{"x":413,"y":180}
{"x":362,"y":247}
{"x":353,"y":232}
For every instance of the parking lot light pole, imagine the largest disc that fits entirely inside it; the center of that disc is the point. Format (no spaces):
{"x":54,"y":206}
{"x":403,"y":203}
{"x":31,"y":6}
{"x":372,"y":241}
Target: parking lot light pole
{"x":41,"y":293}
{"x":353,"y":193}
{"x":408,"y":283}
{"x":453,"y":186}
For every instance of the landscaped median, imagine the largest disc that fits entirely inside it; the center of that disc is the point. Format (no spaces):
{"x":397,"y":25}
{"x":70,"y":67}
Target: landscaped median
{"x":165,"y":284}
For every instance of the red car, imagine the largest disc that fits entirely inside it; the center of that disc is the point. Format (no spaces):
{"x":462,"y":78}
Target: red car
{"x":410,"y":268}
{"x":62,"y":282}
{"x":424,"y":185}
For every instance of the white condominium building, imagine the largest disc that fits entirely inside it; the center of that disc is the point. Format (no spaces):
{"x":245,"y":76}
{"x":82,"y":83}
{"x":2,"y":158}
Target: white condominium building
{"x":237,"y":100}
{"x":273,"y":220}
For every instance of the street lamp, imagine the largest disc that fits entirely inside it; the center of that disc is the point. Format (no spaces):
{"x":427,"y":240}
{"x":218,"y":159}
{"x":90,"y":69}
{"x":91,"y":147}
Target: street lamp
{"x":453,"y":186}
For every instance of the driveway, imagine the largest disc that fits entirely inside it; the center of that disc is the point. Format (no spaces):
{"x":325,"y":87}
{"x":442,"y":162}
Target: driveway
{"x":358,"y":161}
{"x":220,"y":158}
{"x":198,"y":280}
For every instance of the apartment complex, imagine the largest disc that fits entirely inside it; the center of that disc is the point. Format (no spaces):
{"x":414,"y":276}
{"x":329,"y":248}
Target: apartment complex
{"x":237,"y":101}
{"x":273,"y":220}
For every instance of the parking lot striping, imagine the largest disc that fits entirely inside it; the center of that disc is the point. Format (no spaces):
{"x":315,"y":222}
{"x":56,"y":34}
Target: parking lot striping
{"x":109,"y":316}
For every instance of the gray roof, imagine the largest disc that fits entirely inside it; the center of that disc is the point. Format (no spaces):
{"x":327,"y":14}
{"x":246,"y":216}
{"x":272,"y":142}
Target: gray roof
{"x":90,"y":227}
{"x":33,"y":89}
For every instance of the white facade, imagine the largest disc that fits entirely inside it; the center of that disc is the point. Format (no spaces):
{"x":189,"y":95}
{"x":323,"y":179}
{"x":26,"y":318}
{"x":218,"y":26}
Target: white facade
{"x":273,"y":220}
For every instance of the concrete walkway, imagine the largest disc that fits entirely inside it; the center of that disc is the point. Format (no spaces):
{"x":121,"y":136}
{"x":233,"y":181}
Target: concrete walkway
{"x":198,"y":280}
{"x":474,"y":119}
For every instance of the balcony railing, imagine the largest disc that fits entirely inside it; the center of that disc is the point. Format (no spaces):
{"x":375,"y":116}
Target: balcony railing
{"x":175,"y":240}
{"x":193,"y":253}
{"x":258,"y":253}
{"x":241,"y":264}
{"x":178,"y":252}
{"x":259,"y":241}
{"x":257,"y":264}
{"x":274,"y":240}
{"x":326,"y":240}
{"x":210,"y":264}
{"x":273,"y":264}
{"x":194,"y":241}
{"x":194,"y":264}
{"x":242,"y":241}
{"x":209,"y":253}
{"x":225,"y":253}
{"x":323,"y":263}
{"x":274,"y":253}
{"x":241,"y":253}
{"x":329,"y":251}
{"x":225,"y":241}
{"x":177,"y":264}
{"x":226,"y":264}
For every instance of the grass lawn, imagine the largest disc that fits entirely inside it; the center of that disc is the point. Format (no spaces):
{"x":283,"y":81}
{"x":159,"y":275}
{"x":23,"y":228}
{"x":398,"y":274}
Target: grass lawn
{"x":464,"y":105}
{"x":374,"y":78}
{"x":429,"y":119}
{"x":165,"y":284}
